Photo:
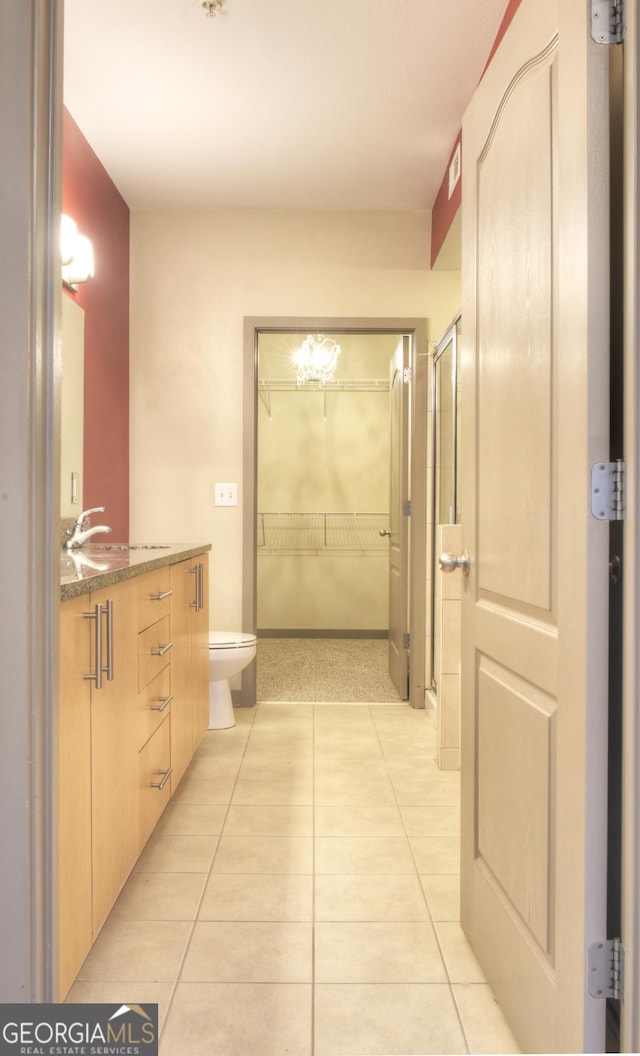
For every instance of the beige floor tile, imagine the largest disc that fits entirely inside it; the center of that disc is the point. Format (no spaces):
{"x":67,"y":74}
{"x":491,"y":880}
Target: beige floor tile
{"x":425,"y":790}
{"x":372,"y":898}
{"x":264,"y":854}
{"x":257,"y":896}
{"x":358,"y":820}
{"x":132,"y":951}
{"x":364,"y":854}
{"x":192,"y":819}
{"x":294,"y":791}
{"x":268,"y":820}
{"x":396,"y":1020}
{"x":166,"y":853}
{"x":377,"y":953}
{"x":123,"y":993}
{"x":214,"y":768}
{"x":205,"y":789}
{"x":263,"y":768}
{"x":360,"y":768}
{"x":443,"y":896}
{"x":461,"y":964}
{"x":431,"y":821}
{"x":349,"y":790}
{"x":436,"y":854}
{"x":160,"y":896}
{"x":218,"y":1019}
{"x":251,"y":952}
{"x":483,"y":1022}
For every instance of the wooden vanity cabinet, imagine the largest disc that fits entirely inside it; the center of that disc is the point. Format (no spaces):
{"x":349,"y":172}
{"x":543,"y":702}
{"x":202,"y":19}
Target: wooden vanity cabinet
{"x":75,"y":921}
{"x":123,"y":744}
{"x":97,"y":829}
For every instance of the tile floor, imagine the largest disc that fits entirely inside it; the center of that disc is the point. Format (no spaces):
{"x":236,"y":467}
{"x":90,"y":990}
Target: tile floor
{"x":300,"y":897}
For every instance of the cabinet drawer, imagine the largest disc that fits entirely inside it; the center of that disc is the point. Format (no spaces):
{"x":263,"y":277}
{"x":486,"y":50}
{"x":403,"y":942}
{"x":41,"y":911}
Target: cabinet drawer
{"x":154,"y":704}
{"x":154,"y":650}
{"x":154,"y":596}
{"x":154,"y":771}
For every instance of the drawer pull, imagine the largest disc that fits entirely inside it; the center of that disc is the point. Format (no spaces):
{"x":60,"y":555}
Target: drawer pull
{"x":161,"y":596}
{"x":166,"y":774}
{"x":162,"y":649}
{"x":162,"y":703}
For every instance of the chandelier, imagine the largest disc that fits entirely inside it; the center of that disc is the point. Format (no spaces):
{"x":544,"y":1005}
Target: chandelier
{"x":316,"y":359}
{"x":211,"y":7}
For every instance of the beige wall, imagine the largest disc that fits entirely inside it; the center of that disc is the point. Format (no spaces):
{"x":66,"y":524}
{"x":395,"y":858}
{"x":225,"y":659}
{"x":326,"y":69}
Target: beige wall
{"x":194,"y":277}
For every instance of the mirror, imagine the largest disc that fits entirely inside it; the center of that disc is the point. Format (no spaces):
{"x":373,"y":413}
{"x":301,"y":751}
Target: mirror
{"x":71,"y":408}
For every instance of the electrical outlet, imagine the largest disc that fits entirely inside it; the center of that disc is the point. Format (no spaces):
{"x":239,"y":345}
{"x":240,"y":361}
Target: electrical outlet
{"x":226,"y":494}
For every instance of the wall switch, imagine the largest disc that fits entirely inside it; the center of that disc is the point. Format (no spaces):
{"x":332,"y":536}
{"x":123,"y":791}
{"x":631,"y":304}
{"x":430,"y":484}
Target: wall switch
{"x":226,"y":494}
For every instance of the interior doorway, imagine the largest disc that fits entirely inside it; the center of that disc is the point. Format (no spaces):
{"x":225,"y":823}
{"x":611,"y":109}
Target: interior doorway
{"x":268,"y":347}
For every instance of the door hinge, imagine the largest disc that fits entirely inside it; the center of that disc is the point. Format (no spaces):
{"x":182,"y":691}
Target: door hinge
{"x":406,"y":640}
{"x":608,"y":488}
{"x":607,"y":21}
{"x":407,"y":375}
{"x":606,"y":969}
{"x":406,"y":508}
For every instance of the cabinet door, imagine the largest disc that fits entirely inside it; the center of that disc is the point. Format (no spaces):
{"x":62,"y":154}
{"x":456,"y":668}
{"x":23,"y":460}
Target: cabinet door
{"x":200,"y":656}
{"x":75,"y":932}
{"x":183,"y":585}
{"x":114,"y":757}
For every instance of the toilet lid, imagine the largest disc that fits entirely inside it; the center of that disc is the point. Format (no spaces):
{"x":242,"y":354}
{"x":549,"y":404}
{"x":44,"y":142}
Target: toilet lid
{"x":230,"y":640}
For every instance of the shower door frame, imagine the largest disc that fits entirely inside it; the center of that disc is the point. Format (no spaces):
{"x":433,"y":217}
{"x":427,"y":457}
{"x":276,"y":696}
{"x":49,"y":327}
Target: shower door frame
{"x":416,"y":330}
{"x":451,"y":336}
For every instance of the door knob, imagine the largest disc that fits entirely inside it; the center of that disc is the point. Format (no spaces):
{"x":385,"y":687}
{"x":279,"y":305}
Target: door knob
{"x":449,"y":562}
{"x":385,"y":531}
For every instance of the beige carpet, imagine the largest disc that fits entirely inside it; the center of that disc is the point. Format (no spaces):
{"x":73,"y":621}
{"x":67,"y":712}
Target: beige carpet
{"x":350,"y":670}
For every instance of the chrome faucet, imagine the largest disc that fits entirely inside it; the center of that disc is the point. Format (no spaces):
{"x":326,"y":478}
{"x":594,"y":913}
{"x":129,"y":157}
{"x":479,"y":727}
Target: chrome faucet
{"x":79,"y":535}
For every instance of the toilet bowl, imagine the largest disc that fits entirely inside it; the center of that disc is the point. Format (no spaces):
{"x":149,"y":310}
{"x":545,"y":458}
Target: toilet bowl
{"x":229,"y":653}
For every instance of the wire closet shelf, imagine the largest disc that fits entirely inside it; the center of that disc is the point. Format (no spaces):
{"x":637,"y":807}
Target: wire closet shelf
{"x":322,"y":533}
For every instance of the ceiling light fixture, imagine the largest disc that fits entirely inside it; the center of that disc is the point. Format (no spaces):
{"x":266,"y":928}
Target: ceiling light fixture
{"x":316,"y":359}
{"x":211,"y":7}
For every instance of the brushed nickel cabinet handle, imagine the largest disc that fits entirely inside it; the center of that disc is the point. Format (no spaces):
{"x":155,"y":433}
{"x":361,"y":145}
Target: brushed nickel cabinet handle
{"x":162,"y":649}
{"x":109,"y":668}
{"x":161,"y":596}
{"x":97,"y":616}
{"x":166,"y":774}
{"x":162,"y":703}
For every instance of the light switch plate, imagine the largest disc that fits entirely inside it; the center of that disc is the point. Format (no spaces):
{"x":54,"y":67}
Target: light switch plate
{"x":226,"y":494}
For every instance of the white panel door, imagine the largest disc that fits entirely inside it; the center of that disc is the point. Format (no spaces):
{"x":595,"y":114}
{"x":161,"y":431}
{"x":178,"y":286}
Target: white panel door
{"x":398,"y":522}
{"x":535,"y":418}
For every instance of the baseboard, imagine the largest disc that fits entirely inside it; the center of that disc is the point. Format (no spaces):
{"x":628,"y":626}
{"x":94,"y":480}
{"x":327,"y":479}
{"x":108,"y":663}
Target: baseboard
{"x":332,"y":632}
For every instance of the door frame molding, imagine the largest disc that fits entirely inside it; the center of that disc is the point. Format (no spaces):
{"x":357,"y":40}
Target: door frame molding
{"x":416,"y":329}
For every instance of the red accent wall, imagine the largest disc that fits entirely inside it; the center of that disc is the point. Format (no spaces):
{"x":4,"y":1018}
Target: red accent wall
{"x":444,"y":209}
{"x":91,"y":198}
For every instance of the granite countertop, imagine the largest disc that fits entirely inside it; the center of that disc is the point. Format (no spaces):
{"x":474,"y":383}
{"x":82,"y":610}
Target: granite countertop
{"x":93,"y":567}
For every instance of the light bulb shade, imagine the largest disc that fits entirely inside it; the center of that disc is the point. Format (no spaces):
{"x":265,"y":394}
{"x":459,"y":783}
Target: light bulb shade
{"x":80,"y":267}
{"x":317,"y":359}
{"x":68,"y":236}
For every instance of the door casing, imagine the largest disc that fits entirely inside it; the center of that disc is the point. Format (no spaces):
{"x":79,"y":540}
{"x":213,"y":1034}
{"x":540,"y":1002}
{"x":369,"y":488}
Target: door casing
{"x":417,"y":331}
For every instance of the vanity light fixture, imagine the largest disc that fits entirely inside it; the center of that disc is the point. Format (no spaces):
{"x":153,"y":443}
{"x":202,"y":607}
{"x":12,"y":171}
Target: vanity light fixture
{"x":316,"y":359}
{"x":77,"y":254}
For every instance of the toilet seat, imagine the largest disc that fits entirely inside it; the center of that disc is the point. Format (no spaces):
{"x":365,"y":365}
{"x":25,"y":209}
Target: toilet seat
{"x":230,"y":640}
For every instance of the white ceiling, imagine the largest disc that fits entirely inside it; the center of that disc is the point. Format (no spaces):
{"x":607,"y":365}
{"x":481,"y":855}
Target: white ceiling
{"x":296,"y":104}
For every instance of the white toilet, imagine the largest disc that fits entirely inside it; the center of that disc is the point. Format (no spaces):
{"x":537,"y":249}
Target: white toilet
{"x":229,"y":653}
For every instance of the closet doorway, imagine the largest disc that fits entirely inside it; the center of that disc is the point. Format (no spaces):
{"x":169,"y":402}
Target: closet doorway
{"x":316,"y":497}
